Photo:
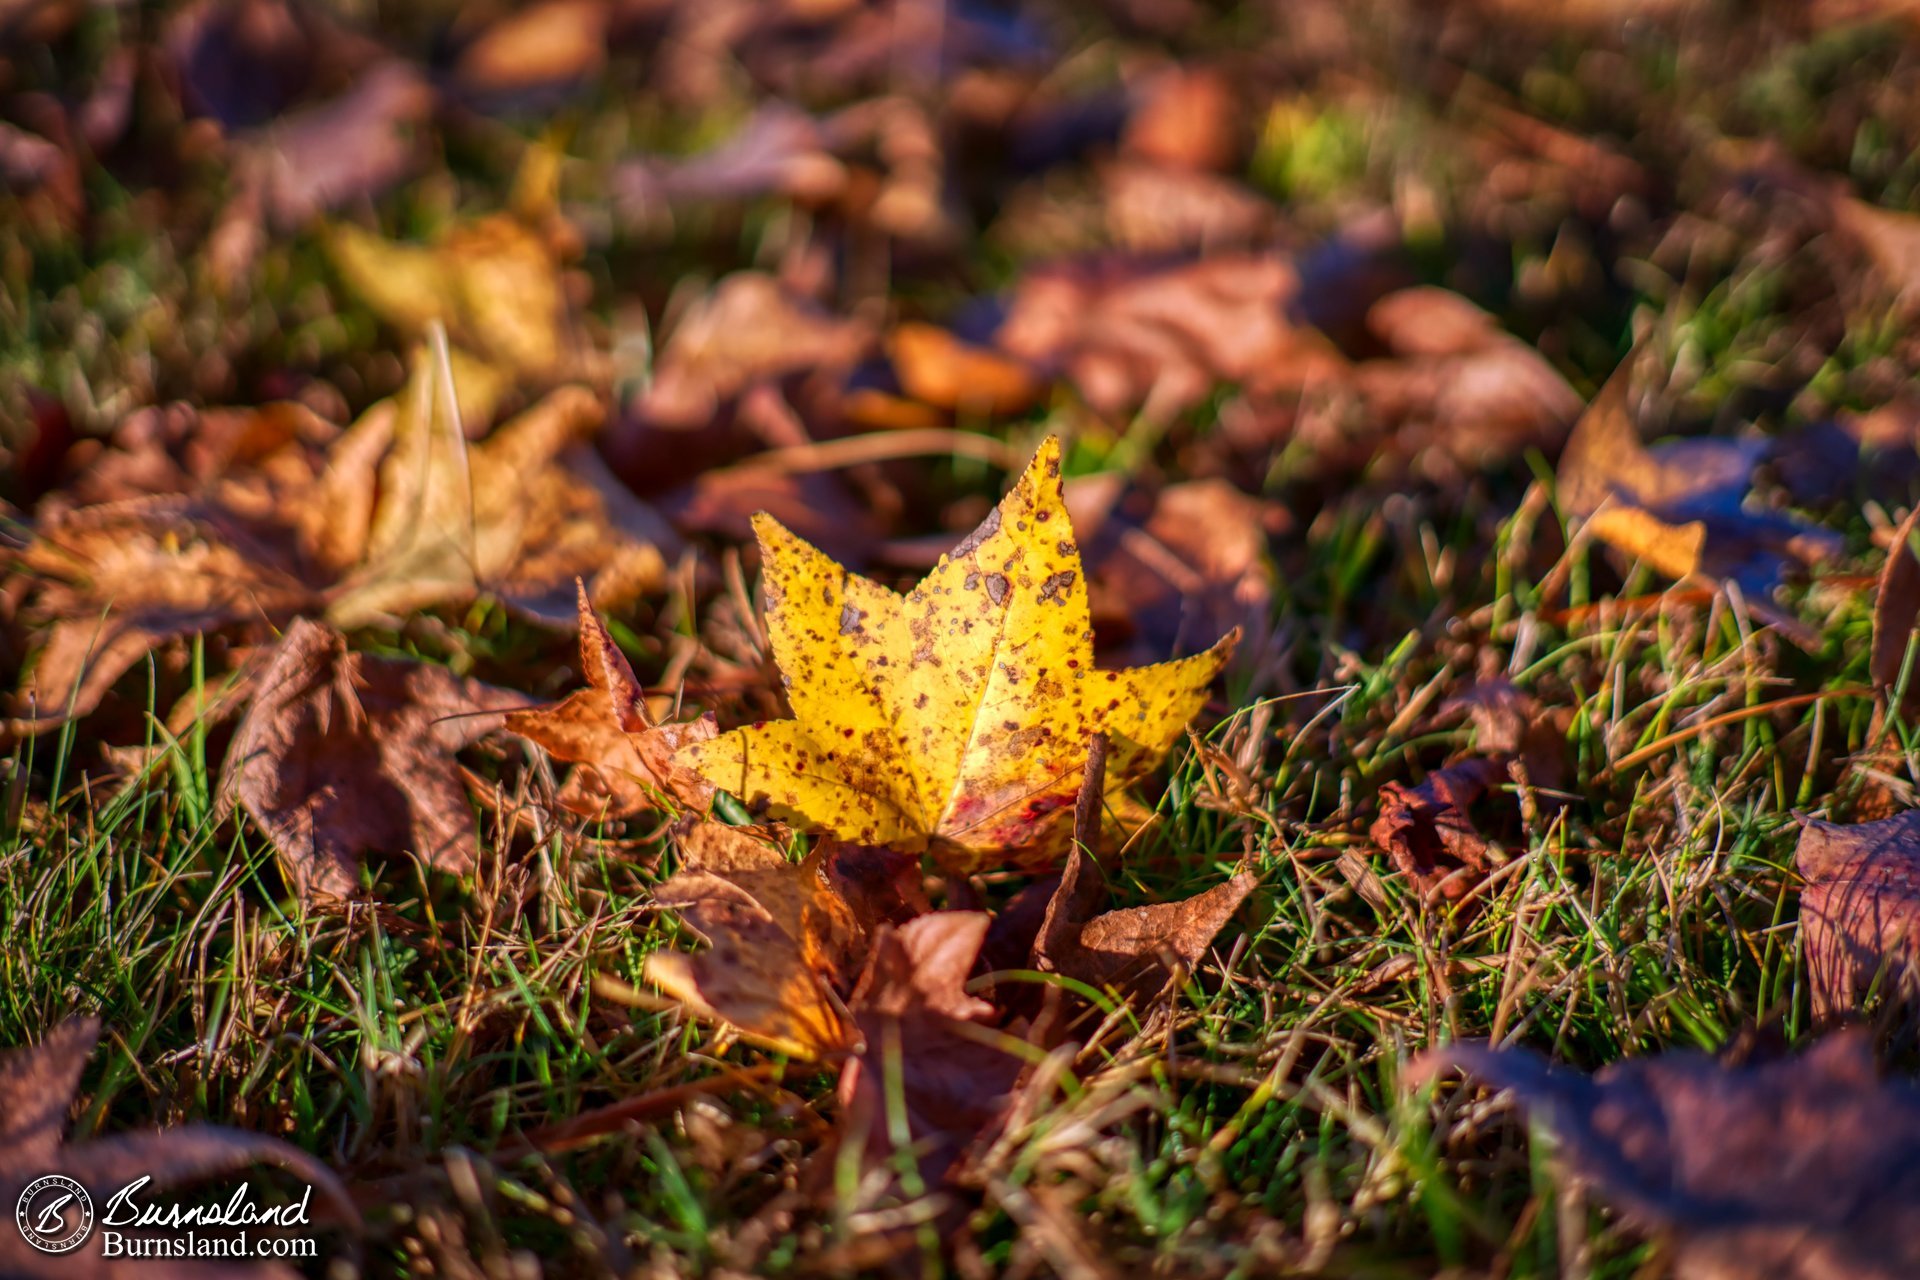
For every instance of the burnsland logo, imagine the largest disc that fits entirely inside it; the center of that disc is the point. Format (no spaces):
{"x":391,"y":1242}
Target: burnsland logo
{"x":54,"y":1213}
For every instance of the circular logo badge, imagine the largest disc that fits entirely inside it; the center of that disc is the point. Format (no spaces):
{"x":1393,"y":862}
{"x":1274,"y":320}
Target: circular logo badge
{"x":54,"y":1214}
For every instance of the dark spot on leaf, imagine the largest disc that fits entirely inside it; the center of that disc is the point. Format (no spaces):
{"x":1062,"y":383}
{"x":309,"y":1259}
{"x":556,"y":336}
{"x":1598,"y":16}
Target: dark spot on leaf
{"x":971,"y":543}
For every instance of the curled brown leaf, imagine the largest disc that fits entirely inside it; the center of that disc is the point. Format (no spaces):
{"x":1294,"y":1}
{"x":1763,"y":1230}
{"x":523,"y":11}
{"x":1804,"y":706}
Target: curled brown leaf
{"x":341,"y":754}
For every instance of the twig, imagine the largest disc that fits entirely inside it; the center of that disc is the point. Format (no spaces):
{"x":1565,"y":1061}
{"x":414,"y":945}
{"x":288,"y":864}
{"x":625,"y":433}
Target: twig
{"x":883,"y":446}
{"x":1658,"y":745}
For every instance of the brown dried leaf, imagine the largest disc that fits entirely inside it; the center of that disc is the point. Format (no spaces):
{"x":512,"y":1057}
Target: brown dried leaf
{"x":783,"y":938}
{"x":1859,"y":907}
{"x":1426,"y":830}
{"x":1802,"y":1169}
{"x":625,"y":760}
{"x":352,"y":147}
{"x":817,"y":505}
{"x":343,"y":754}
{"x":1890,"y":240}
{"x":780,"y":151}
{"x":252,"y":458}
{"x":403,"y":516}
{"x":748,"y":330}
{"x":931,"y":1073}
{"x":1510,"y":722}
{"x":940,"y":369}
{"x":876,"y":162}
{"x":1155,"y":209}
{"x":1460,"y":392}
{"x":1680,"y":507}
{"x":1131,"y":335}
{"x":536,"y":47}
{"x":1188,"y":118}
{"x":1896,"y":615}
{"x":521,"y":515}
{"x":116,"y":581}
{"x":1135,"y":951}
{"x":37,"y":1088}
{"x":1170,"y":569}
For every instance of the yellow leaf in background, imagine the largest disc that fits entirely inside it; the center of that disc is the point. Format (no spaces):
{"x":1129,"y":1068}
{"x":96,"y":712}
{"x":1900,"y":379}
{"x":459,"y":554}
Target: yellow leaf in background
{"x":955,"y":718}
{"x":494,"y":283}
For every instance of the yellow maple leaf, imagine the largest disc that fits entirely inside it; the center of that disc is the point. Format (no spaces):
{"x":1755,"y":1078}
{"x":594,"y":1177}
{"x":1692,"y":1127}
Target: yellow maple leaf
{"x":955,"y":718}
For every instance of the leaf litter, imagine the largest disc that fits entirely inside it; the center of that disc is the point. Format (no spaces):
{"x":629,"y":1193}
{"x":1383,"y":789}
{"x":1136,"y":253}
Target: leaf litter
{"x":1322,"y":333}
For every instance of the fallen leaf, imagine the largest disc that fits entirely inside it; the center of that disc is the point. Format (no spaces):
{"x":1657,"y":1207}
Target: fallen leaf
{"x":877,"y":163}
{"x":784,"y":944}
{"x":1459,"y":392}
{"x":1806,"y":1168}
{"x":1851,"y":457}
{"x":816,"y":505}
{"x":1427,"y":832}
{"x":1889,"y":239}
{"x":779,"y":151}
{"x":625,"y":760}
{"x":932,"y":1075}
{"x":1132,"y":335}
{"x":249,"y":459}
{"x":114,"y":582}
{"x":494,"y":283}
{"x":955,"y":718}
{"x":1509,"y":722}
{"x":352,"y":147}
{"x":536,"y":47}
{"x":882,"y":886}
{"x":1859,"y":907}
{"x":341,"y":754}
{"x":1187,"y":118}
{"x":938,"y":368}
{"x":521,"y":515}
{"x":748,"y":330}
{"x":1155,"y":209}
{"x":1135,"y":951}
{"x":398,"y":514}
{"x":38,"y":1085}
{"x":1173,"y":568}
{"x":1680,"y":507}
{"x":1896,"y":615}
